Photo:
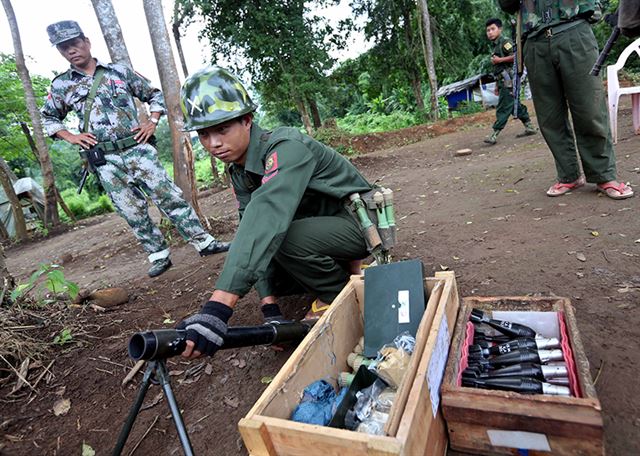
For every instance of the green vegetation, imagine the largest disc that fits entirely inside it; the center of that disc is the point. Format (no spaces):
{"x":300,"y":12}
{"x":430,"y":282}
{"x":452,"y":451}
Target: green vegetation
{"x":47,"y":284}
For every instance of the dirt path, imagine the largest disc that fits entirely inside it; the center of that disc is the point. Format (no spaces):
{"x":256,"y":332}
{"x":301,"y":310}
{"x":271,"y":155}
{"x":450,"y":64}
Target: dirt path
{"x":485,"y":216}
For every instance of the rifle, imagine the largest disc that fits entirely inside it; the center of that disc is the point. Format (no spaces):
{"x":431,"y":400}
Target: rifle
{"x":518,"y":65}
{"x":612,"y":20}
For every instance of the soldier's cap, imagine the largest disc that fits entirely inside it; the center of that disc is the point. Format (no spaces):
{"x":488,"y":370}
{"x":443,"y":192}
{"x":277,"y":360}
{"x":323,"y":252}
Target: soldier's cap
{"x":63,"y":31}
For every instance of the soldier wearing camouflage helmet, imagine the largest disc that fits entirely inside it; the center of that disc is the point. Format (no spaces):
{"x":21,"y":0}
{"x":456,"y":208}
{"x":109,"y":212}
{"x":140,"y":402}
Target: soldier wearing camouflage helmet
{"x":295,"y":234}
{"x":111,"y":125}
{"x":559,"y":51}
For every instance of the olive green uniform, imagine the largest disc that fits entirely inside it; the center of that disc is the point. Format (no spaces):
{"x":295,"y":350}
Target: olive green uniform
{"x":503,"y":72}
{"x":559,"y":51}
{"x":290,"y":195}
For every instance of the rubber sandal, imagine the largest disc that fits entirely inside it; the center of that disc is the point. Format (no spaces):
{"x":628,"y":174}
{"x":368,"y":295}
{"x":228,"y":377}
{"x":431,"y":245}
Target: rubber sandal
{"x":615,"y":190}
{"x":560,"y":188}
{"x":316,"y":311}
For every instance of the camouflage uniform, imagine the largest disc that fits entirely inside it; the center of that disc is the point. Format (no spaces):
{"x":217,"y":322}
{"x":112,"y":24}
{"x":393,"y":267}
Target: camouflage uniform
{"x":503,"y":47}
{"x":559,"y":51}
{"x":128,"y":171}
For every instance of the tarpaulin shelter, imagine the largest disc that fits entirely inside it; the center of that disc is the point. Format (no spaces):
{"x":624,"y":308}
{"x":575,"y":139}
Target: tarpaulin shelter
{"x":31,"y":198}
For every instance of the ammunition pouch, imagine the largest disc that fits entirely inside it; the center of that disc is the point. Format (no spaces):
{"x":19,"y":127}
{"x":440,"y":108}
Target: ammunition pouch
{"x":387,"y":234}
{"x":94,"y":157}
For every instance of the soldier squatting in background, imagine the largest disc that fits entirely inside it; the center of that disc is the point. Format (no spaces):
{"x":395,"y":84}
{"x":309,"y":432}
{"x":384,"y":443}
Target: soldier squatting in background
{"x":130,"y":164}
{"x":559,"y":51}
{"x":502,"y":60}
{"x":295,"y":233}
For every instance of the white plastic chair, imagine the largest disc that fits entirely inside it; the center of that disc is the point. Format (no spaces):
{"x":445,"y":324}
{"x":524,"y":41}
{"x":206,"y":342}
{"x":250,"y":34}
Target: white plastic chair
{"x":614,"y":90}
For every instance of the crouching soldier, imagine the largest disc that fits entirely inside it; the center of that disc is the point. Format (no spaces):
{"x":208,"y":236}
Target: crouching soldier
{"x":294,"y":232}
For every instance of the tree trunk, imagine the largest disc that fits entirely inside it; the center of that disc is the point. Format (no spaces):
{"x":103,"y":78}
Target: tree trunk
{"x":48,"y":181}
{"x":112,"y":34}
{"x":416,"y":85}
{"x":181,"y":12}
{"x":4,"y":234}
{"x":315,"y":113}
{"x":32,"y":144}
{"x":16,"y":207}
{"x":183,"y":172}
{"x":7,"y":283}
{"x":306,"y":121}
{"x":412,"y":67}
{"x":427,"y":45}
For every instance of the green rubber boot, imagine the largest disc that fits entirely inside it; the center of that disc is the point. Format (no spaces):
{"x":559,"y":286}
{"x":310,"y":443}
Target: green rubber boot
{"x":493,"y":138}
{"x":529,"y":129}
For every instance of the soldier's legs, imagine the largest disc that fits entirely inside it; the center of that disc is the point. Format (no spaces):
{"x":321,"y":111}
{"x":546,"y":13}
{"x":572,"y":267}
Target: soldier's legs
{"x":523,"y":113}
{"x":132,"y":206}
{"x":316,"y":253}
{"x":577,"y":50}
{"x":504,"y":108}
{"x":146,"y":170}
{"x":551,"y":106}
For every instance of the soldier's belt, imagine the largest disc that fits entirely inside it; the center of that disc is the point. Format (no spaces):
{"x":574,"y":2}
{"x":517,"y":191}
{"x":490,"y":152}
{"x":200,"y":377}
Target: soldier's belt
{"x":117,"y":145}
{"x":552,"y":31}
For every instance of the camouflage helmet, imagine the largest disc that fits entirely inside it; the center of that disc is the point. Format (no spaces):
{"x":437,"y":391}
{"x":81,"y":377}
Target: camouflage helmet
{"x":212,"y":96}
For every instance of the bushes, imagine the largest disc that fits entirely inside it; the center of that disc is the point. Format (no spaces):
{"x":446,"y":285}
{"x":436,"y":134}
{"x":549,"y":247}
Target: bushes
{"x":85,"y":204}
{"x":374,"y":123}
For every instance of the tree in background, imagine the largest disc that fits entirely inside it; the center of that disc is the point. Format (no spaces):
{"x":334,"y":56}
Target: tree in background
{"x":391,"y":26}
{"x":112,"y":34}
{"x":280,"y":44}
{"x":183,"y":171}
{"x":51,"y":194}
{"x":427,"y":43}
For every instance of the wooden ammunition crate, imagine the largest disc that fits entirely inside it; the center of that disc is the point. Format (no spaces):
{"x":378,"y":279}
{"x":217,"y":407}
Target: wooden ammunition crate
{"x":413,"y":428}
{"x":564,"y":425}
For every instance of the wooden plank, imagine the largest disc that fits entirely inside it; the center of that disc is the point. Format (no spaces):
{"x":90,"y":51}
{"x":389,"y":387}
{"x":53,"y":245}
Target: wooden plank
{"x":472,"y":438}
{"x":256,"y":438}
{"x":300,"y":439}
{"x":418,"y":414}
{"x":391,"y":427}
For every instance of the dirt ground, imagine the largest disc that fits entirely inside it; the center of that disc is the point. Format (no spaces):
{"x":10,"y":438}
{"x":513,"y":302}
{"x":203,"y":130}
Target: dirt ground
{"x":485,"y":215}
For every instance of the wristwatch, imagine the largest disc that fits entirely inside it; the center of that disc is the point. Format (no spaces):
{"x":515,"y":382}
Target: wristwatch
{"x":154,"y":120}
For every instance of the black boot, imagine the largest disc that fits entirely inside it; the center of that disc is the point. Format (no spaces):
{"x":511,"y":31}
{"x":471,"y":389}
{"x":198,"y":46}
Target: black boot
{"x":215,"y":247}
{"x":159,"y":266}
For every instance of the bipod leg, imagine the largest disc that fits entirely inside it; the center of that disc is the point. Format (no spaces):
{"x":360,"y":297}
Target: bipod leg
{"x":163,"y":377}
{"x":135,"y":409}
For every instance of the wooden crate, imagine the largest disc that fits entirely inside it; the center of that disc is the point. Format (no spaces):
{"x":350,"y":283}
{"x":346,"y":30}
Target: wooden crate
{"x":412,"y":427}
{"x":570,"y":425}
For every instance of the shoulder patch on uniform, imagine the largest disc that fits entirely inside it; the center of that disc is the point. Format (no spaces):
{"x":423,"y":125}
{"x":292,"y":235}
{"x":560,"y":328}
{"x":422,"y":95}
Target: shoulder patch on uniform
{"x":508,"y":46}
{"x":272,"y":163}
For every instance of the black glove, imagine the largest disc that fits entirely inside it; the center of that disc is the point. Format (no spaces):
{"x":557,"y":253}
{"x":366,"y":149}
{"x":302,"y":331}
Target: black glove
{"x":207,"y":328}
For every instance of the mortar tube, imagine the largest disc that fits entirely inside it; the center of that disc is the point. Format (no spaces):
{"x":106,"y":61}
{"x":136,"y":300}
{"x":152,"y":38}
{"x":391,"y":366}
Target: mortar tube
{"x":387,"y":195}
{"x":382,"y":217}
{"x":370,"y":232}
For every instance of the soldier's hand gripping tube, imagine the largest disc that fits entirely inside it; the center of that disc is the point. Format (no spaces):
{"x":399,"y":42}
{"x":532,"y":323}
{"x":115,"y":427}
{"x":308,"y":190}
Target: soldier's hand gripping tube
{"x":165,"y":343}
{"x":518,"y":384}
{"x":505,"y":327}
{"x":516,"y":344}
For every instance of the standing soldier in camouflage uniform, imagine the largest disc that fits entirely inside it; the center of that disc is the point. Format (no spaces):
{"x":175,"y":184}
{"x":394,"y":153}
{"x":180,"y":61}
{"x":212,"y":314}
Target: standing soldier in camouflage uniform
{"x":112,"y":125}
{"x":559,"y":51}
{"x":502,"y":60}
{"x":294,"y":227}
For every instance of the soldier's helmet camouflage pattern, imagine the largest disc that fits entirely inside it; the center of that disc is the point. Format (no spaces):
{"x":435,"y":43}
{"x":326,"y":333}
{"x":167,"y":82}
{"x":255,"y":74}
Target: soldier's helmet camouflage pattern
{"x":212,"y":96}
{"x":63,"y":31}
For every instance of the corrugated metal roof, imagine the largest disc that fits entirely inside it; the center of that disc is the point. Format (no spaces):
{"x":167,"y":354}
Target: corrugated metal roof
{"x":458,"y":86}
